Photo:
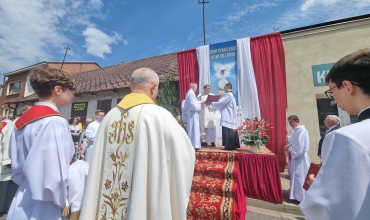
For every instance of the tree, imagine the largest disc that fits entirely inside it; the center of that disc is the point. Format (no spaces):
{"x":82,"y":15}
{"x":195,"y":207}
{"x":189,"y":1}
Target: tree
{"x":168,"y":95}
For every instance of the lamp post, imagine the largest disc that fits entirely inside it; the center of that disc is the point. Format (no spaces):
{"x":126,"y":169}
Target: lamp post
{"x":204,"y":20}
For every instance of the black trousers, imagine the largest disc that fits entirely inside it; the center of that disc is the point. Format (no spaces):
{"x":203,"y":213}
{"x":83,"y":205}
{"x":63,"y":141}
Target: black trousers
{"x":230,"y":139}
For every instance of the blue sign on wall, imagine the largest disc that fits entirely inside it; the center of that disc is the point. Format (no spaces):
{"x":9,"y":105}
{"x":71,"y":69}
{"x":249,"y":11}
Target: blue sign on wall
{"x":319,"y":72}
{"x":223,"y":67}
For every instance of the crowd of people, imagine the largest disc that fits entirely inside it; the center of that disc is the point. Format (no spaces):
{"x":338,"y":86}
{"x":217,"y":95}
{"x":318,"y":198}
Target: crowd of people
{"x":140,"y":161}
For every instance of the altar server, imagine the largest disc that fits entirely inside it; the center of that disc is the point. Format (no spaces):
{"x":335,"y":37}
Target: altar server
{"x":299,"y":144}
{"x":207,"y":119}
{"x":227,"y":106}
{"x":341,"y":188}
{"x":143,"y":162}
{"x":78,"y":172}
{"x":91,"y":130}
{"x":41,"y":148}
{"x":192,"y":107}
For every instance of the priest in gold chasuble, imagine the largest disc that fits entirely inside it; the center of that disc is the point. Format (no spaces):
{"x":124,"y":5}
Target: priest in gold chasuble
{"x":142,"y":161}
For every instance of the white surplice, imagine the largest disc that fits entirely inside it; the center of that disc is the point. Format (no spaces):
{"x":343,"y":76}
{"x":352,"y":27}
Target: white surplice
{"x":6,"y":133}
{"x":300,"y":162}
{"x":227,"y":106}
{"x":207,"y":121}
{"x":162,"y":169}
{"x":78,"y":172}
{"x":192,"y":108}
{"x":183,"y":112}
{"x":90,"y":133}
{"x":40,"y":154}
{"x":341,"y":188}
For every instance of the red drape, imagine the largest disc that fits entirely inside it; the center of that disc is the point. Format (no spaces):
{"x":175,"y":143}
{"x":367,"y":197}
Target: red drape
{"x":188,"y":70}
{"x":268,"y":60}
{"x":260,"y":177}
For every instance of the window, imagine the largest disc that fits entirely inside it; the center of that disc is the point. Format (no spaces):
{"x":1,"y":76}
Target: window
{"x":8,"y":111}
{"x":325,"y":107}
{"x":28,"y":90}
{"x":104,"y":105}
{"x":14,"y":88}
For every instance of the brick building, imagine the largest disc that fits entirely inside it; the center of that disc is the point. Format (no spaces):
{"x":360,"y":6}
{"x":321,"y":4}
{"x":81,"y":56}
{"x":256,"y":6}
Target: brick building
{"x":18,"y":91}
{"x":96,"y":88}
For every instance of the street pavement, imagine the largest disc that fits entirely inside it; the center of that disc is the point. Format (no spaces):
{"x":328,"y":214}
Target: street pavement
{"x":2,"y":216}
{"x":254,"y":213}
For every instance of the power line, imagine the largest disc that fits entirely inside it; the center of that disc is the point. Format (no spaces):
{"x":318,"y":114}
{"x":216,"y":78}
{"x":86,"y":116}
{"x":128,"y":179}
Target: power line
{"x":52,"y":17}
{"x":60,"y":22}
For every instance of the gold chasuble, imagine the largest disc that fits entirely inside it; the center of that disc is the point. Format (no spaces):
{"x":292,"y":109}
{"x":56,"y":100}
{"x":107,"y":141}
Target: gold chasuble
{"x":141,"y":166}
{"x":118,"y":167}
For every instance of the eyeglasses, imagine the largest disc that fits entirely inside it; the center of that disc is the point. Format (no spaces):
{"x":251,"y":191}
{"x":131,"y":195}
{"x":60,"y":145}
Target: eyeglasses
{"x":329,"y":94}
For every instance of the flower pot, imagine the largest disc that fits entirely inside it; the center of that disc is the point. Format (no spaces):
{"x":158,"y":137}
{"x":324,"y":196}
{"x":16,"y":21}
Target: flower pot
{"x":254,"y":149}
{"x":241,"y":141}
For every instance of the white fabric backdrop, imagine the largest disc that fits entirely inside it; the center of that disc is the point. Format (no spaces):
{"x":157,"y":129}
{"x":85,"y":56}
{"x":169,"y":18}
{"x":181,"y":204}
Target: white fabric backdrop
{"x":204,"y":66}
{"x":248,"y":98}
{"x":204,"y":78}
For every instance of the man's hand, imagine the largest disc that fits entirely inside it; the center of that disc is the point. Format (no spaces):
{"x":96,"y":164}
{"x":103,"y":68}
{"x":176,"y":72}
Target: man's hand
{"x":202,"y":102}
{"x":320,"y":156}
{"x":310,"y":180}
{"x":287,"y":147}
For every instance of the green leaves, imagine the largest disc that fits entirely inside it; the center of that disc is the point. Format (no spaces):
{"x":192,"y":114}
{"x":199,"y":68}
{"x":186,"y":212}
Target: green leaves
{"x":168,"y":96}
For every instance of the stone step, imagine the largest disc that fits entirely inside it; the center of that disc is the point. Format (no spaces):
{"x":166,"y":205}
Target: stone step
{"x":281,"y":207}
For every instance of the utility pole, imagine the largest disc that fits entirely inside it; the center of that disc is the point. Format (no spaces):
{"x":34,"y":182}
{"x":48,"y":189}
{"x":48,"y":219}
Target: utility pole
{"x":67,"y":48}
{"x":204,"y":19}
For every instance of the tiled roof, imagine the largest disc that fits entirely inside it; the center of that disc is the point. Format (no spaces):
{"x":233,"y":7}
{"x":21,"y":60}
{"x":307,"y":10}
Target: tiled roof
{"x":117,"y":76}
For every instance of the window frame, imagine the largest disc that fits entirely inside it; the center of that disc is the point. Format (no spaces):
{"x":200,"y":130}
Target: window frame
{"x":13,"y":83}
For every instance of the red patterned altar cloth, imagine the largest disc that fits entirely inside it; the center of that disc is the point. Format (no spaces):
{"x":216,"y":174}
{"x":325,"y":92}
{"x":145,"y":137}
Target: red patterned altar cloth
{"x":216,"y":191}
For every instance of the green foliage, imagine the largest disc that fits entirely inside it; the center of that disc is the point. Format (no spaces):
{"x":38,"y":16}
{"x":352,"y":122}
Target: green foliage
{"x":168,"y":96}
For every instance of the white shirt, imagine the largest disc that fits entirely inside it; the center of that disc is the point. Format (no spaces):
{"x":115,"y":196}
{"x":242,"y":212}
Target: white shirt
{"x":91,"y":131}
{"x":227,"y":106}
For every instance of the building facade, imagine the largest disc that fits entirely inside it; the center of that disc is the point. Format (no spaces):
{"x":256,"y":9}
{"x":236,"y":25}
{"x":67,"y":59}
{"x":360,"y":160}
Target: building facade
{"x":18,"y":91}
{"x":309,"y":54}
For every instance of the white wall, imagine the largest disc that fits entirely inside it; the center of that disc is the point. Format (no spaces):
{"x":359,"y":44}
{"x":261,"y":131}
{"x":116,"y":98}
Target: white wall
{"x":318,"y":46}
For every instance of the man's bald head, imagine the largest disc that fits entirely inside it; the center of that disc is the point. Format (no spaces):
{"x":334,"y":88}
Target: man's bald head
{"x":145,"y":80}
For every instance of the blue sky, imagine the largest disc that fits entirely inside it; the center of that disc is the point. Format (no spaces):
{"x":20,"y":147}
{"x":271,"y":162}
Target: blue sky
{"x":110,"y":32}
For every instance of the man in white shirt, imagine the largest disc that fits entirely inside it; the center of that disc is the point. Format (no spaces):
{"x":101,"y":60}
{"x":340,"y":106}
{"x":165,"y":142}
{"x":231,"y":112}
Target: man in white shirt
{"x":91,"y":130}
{"x":332,"y":124}
{"x":227,"y":106}
{"x":207,"y":119}
{"x":299,"y":144}
{"x":341,"y":188}
{"x":192,"y":107}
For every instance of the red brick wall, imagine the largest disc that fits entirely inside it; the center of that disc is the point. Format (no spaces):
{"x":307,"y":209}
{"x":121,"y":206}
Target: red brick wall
{"x":5,"y":97}
{"x":73,"y":68}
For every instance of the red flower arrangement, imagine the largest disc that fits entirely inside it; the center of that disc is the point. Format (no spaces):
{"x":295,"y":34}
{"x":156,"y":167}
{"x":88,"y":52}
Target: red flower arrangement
{"x":254,"y":132}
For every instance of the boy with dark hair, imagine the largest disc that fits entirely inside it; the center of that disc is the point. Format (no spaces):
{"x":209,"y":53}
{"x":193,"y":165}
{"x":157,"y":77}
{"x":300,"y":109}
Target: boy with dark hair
{"x":41,"y":148}
{"x":341,"y":188}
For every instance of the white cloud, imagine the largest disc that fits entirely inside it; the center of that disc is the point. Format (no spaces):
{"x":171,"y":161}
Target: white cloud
{"x":244,"y":22}
{"x":28,"y":31}
{"x":334,"y":3}
{"x":98,"y":43}
{"x":249,"y":8}
{"x":307,"y":4}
